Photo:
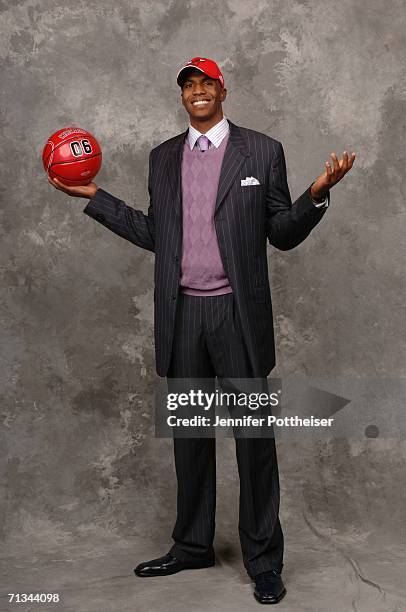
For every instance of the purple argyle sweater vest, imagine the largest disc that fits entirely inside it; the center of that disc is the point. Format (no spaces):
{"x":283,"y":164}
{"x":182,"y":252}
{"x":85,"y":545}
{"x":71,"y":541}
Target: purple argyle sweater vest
{"x":202,"y":271}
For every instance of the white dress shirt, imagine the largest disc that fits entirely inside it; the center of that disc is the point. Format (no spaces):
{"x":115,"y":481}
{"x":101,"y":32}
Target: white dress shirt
{"x":216,"y":135}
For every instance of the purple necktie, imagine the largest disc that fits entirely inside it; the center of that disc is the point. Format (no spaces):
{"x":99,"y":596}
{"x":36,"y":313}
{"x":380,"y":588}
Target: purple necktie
{"x":203,"y":143}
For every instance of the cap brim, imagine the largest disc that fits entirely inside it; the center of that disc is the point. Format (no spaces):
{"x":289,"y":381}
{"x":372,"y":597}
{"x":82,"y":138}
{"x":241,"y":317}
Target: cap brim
{"x":178,"y":79}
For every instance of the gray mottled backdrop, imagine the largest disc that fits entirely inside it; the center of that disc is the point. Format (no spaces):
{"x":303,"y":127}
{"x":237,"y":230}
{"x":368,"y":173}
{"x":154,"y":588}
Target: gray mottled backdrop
{"x":87,"y":491}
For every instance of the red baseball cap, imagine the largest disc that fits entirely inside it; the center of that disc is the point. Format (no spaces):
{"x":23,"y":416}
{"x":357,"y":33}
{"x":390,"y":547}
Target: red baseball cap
{"x":205,"y":65}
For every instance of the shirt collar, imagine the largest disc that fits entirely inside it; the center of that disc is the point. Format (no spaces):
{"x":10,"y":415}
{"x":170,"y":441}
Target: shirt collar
{"x":214,"y":134}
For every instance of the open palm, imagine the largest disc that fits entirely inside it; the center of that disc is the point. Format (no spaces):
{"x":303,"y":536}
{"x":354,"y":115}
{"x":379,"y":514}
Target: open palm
{"x":333,"y":174}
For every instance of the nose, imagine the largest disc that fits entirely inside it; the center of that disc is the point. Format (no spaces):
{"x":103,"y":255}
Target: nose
{"x":198,"y":88}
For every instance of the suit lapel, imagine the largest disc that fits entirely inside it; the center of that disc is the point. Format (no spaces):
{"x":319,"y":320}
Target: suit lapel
{"x":234,"y":157}
{"x":174,"y":167}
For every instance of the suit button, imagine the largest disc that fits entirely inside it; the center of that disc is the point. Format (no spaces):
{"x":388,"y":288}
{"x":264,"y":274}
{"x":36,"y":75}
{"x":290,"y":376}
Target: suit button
{"x":173,"y":296}
{"x":176,"y":258}
{"x":100,"y":217}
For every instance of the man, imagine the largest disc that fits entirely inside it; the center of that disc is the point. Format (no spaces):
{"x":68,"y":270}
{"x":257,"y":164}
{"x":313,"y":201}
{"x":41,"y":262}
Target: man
{"x":218,"y":193}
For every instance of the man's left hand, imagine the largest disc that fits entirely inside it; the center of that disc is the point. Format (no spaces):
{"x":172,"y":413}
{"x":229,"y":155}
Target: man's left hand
{"x":334,"y":173}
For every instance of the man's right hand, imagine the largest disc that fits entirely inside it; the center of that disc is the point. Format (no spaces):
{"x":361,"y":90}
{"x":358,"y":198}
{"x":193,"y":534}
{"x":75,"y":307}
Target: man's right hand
{"x":79,"y":191}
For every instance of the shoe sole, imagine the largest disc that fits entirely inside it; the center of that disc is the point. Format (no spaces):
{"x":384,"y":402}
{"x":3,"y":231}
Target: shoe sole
{"x":275,"y":601}
{"x":169,"y":573}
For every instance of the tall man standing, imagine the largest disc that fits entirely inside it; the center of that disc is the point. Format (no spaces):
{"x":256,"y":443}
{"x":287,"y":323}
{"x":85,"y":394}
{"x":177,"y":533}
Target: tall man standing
{"x":218,"y":193}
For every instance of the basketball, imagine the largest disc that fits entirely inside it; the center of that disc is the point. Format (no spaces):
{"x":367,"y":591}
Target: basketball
{"x":73,"y":156}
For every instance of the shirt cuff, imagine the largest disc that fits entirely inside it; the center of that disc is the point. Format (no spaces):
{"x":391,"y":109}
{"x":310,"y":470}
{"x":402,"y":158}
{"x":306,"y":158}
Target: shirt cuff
{"x":323,"y":204}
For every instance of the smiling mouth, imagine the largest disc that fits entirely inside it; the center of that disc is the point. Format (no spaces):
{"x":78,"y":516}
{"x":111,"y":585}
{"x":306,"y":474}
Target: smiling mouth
{"x":199,"y":103}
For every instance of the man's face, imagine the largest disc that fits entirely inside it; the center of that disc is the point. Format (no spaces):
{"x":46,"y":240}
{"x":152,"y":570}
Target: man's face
{"x":202,"y":96}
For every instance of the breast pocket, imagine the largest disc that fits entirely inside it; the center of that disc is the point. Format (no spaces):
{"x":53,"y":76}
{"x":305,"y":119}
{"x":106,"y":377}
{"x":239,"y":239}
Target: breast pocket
{"x":251,"y":194}
{"x":251,"y":188}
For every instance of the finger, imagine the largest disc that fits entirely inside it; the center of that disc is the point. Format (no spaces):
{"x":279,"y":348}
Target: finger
{"x":53,"y":183}
{"x":344,"y":162}
{"x":60,"y":186}
{"x":329,"y":171}
{"x":336,"y":165}
{"x":351,"y":160}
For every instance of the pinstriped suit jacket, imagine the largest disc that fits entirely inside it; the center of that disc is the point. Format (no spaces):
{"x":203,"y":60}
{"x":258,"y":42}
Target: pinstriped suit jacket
{"x":245,"y":218}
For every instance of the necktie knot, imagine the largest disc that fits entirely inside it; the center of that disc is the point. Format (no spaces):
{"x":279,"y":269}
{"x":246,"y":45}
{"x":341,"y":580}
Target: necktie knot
{"x":203,"y":143}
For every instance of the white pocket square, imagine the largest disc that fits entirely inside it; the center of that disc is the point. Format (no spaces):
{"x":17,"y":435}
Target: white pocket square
{"x":250,"y":180}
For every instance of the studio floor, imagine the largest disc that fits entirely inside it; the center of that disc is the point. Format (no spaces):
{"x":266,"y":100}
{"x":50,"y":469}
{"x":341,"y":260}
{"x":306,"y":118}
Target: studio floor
{"x":323,"y":572}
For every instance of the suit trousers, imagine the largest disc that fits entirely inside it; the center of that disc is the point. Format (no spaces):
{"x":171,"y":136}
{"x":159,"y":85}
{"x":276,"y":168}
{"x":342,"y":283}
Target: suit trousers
{"x":208,"y":343}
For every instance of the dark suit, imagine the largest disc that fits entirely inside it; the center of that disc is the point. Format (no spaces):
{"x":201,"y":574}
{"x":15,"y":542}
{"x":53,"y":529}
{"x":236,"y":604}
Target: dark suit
{"x":239,"y":341}
{"x":245,"y":217}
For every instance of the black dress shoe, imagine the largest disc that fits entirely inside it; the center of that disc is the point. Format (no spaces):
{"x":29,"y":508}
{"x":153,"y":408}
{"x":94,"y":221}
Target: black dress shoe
{"x":168,"y":564}
{"x":269,"y":588}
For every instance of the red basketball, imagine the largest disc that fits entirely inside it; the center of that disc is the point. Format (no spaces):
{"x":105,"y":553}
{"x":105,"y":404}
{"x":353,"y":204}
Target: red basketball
{"x":73,"y":156}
